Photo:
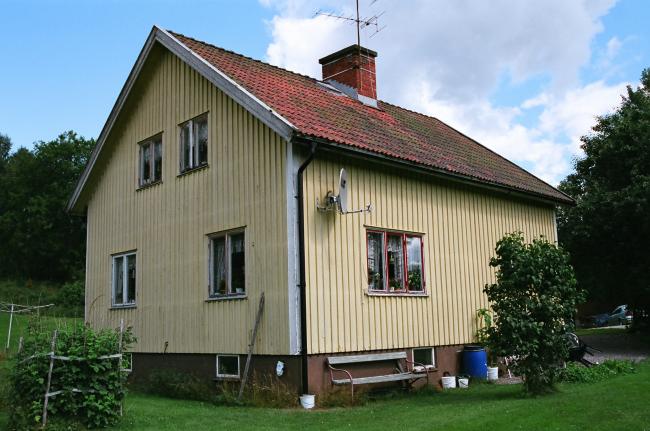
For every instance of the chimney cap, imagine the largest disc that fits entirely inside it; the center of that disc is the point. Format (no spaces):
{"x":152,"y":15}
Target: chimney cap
{"x":345,"y":51}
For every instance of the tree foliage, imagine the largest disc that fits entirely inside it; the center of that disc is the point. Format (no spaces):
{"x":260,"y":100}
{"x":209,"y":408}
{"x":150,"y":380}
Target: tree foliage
{"x":608,"y":231}
{"x":38,"y":239}
{"x":534,"y":301}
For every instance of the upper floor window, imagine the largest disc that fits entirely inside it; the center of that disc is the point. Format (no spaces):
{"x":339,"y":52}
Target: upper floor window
{"x":194,"y":143}
{"x":227,"y":264}
{"x":150,"y":170}
{"x":395,"y":262}
{"x":123,"y":283}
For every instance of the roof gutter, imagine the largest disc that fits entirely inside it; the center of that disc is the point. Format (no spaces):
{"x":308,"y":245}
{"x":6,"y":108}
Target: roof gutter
{"x":302,"y":284}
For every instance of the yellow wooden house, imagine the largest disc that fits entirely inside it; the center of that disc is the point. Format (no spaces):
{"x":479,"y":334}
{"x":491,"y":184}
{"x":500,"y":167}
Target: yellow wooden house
{"x":217,"y":178}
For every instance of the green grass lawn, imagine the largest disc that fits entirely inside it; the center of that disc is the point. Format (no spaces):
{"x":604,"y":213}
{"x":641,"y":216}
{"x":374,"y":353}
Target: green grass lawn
{"x":620,"y":403}
{"x":19,"y":327}
{"x":600,"y":331}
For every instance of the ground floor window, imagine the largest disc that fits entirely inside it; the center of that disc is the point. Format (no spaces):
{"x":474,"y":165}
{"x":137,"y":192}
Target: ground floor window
{"x":395,"y":262}
{"x":124,"y":280}
{"x":228,"y":264}
{"x":228,"y":366}
{"x":425,"y":356}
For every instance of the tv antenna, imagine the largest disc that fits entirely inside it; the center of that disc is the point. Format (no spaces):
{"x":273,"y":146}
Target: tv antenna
{"x":339,"y":202}
{"x":359,"y":21}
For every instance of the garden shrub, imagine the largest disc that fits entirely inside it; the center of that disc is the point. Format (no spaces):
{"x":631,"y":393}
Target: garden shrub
{"x":71,"y":297}
{"x":101,"y":379}
{"x":577,"y":373}
{"x":534,"y":300}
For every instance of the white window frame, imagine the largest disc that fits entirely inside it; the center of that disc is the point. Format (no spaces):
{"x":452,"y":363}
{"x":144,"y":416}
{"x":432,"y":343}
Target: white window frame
{"x":194,"y":163}
{"x":125,"y":287}
{"x":212,"y":288}
{"x":229,"y":376}
{"x":433,"y":355}
{"x":152,"y":163}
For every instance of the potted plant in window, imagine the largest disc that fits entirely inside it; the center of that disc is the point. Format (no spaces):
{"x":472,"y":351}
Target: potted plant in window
{"x":415,"y":280}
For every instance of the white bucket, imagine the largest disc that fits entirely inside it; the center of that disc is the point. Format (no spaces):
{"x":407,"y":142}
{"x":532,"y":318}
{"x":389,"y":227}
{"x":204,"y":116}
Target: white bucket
{"x":448,"y":382}
{"x":493,"y":373}
{"x":463,"y":382}
{"x":307,"y":401}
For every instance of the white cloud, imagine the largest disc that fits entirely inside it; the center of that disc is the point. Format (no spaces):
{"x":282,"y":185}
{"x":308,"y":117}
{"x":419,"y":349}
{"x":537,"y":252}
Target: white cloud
{"x":447,"y":59}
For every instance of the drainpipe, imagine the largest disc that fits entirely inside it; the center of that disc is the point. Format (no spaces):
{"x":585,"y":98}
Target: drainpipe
{"x":302,"y":286}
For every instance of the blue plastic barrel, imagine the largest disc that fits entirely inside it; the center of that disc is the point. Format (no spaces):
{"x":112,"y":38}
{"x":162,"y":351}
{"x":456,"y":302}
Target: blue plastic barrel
{"x":475,"y":361}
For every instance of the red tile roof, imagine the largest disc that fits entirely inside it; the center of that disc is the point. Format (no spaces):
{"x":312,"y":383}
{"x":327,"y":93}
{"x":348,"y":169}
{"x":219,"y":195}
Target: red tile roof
{"x":390,"y":130}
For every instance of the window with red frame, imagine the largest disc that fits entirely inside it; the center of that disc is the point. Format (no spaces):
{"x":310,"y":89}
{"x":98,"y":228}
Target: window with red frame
{"x":395,"y":262}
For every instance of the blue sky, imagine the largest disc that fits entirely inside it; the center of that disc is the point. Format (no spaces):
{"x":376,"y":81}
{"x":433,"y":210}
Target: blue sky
{"x":524,"y":78}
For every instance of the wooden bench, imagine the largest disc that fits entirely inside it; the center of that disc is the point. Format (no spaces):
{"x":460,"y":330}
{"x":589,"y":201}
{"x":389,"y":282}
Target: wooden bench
{"x":399,"y":375}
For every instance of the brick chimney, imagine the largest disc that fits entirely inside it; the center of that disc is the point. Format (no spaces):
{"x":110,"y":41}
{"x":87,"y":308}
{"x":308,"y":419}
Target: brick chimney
{"x":353,"y":66}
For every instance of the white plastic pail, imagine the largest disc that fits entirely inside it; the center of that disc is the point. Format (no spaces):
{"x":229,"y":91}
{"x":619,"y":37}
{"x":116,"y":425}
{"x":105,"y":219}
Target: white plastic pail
{"x":493,"y":373}
{"x":448,"y":382}
{"x":307,"y":401}
{"x":463,"y":382}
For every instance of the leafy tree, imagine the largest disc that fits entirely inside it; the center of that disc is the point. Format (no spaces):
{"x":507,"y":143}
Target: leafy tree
{"x":38,"y":239}
{"x":608,"y":231}
{"x":534,"y":301}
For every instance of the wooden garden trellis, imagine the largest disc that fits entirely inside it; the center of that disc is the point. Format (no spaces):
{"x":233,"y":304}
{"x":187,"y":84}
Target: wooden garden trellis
{"x":54,"y":357}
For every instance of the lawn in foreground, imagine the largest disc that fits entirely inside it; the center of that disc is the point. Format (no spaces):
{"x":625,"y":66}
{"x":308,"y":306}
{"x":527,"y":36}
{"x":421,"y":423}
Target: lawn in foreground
{"x":618,"y":403}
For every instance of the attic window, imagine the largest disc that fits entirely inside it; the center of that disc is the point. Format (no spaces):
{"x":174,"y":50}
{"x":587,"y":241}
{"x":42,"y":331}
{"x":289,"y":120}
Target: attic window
{"x":194,"y":143}
{"x":395,"y":262}
{"x":150,"y":167}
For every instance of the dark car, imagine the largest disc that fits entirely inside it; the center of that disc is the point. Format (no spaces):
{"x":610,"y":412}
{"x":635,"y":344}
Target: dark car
{"x":620,"y":316}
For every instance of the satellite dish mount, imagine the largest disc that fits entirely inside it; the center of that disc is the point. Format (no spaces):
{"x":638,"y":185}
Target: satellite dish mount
{"x":339,"y":202}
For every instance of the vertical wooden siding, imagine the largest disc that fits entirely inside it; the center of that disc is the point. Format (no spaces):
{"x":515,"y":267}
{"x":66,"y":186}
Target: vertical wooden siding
{"x":167,"y":224}
{"x":461,"y":226}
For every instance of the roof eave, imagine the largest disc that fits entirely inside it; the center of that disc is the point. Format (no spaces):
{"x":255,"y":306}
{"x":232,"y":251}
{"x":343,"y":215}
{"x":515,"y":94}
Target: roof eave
{"x":251,"y":103}
{"x":456,"y":177}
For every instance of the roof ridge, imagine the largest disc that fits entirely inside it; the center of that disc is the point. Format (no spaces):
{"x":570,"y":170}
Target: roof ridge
{"x":244,"y":56}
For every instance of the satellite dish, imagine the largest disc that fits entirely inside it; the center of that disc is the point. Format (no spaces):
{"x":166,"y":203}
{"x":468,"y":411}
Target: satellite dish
{"x":343,"y":191}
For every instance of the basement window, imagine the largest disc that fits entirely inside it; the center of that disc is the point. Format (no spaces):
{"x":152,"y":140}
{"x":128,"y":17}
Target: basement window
{"x":228,"y":264}
{"x":194,"y":143}
{"x":395,"y":262}
{"x":228,"y":366}
{"x":150,"y":166}
{"x":425,"y":356}
{"x":124,"y":281}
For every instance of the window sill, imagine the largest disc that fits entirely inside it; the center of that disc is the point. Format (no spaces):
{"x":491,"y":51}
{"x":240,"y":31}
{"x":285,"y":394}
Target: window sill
{"x":428,"y":368}
{"x":148,"y":186}
{"x":226,"y":379}
{"x":232,"y":296}
{"x":192,"y":170}
{"x":389,"y":294}
{"x":123,"y":307}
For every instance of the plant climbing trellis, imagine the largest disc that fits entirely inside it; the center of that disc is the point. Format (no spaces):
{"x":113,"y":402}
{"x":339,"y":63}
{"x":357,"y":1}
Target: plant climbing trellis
{"x":82,"y":366}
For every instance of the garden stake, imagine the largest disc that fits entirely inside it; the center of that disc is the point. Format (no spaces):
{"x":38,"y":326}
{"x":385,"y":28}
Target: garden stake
{"x":49,"y":380}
